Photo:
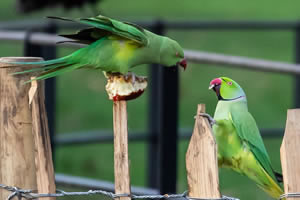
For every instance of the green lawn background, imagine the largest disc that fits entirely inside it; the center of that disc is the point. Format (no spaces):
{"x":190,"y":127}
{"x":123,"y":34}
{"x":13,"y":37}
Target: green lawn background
{"x":82,"y":101}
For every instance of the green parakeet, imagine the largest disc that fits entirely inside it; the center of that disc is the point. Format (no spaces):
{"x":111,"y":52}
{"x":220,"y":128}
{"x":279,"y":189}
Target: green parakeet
{"x":240,"y":146}
{"x":112,"y":46}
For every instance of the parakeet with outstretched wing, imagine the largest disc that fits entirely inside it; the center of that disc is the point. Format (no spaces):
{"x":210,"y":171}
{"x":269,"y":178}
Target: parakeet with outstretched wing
{"x":112,"y":46}
{"x":240,"y":146}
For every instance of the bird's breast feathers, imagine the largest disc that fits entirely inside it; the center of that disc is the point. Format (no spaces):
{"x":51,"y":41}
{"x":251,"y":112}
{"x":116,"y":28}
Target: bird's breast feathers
{"x":124,"y":48}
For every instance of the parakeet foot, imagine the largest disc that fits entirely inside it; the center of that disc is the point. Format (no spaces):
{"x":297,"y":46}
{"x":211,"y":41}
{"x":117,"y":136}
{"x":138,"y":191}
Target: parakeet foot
{"x":209,"y":118}
{"x":130,"y":75}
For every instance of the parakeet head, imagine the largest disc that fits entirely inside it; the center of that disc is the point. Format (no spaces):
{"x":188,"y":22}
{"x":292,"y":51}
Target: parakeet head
{"x":227,"y":89}
{"x":171,"y":54}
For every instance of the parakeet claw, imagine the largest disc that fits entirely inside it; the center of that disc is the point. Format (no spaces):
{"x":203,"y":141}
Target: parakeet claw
{"x":106,"y":74}
{"x":209,"y":118}
{"x":133,"y":78}
{"x":130,"y":75}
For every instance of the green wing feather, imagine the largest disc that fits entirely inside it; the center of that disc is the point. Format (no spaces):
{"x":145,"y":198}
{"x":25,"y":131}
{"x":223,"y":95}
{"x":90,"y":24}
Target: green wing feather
{"x":101,"y":28}
{"x":248,"y":131}
{"x":86,"y":36}
{"x":108,"y":26}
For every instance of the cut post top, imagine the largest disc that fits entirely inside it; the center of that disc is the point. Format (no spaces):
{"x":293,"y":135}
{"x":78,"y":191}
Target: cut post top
{"x":290,"y":152}
{"x":201,"y":160}
{"x":19,"y":59}
{"x":200,"y":109}
{"x":121,"y":161}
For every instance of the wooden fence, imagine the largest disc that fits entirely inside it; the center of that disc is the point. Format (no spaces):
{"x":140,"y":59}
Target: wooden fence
{"x":25,"y":149}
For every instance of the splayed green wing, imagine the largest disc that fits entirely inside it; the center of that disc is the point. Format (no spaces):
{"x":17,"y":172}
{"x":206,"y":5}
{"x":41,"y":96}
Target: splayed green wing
{"x":248,"y":132}
{"x":86,"y":36}
{"x":104,"y":26}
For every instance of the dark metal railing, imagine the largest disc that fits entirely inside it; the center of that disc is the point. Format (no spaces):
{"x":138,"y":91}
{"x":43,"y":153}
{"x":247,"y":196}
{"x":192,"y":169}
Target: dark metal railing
{"x":93,"y":184}
{"x":175,"y":25}
{"x":93,"y":137}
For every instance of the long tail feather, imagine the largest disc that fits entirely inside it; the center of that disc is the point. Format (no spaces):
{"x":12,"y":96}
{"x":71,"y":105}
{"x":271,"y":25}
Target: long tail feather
{"x":44,"y":65}
{"x":33,"y":70}
{"x":49,"y":68}
{"x":47,"y":62}
{"x":56,"y":71}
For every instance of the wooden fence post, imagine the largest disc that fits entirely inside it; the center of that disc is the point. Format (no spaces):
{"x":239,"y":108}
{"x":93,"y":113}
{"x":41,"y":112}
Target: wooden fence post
{"x":201,"y":160}
{"x":17,"y":167}
{"x":43,"y":153}
{"x":121,"y":162}
{"x":290,"y":153}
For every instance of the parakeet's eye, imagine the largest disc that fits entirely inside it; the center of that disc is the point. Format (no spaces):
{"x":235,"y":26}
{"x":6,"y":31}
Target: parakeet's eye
{"x":177,"y":54}
{"x":229,"y":83}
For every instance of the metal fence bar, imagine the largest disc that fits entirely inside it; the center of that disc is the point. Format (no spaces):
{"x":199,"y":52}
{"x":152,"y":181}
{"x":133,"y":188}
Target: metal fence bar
{"x":175,"y":25}
{"x":22,"y":24}
{"x":93,"y":137}
{"x":297,"y":60}
{"x":242,"y":62}
{"x":191,"y":55}
{"x":168,"y":129}
{"x":163,"y":126}
{"x":153,"y":124}
{"x":232,"y":25}
{"x":185,"y":134}
{"x":35,"y":38}
{"x":96,"y":137}
{"x":93,"y":184}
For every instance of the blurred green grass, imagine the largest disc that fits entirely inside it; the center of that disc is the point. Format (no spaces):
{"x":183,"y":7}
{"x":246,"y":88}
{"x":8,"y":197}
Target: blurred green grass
{"x":82,"y":101}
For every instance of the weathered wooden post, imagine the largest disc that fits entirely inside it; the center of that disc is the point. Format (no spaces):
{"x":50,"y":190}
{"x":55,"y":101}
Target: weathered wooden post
{"x":120,"y":89}
{"x":43,"y":153}
{"x":121,"y":162}
{"x":201,"y":160}
{"x":17,"y":166}
{"x":290,"y":153}
{"x":21,"y":146}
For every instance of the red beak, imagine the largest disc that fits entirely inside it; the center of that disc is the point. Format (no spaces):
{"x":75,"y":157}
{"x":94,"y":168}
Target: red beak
{"x":215,"y":82}
{"x":183,"y":63}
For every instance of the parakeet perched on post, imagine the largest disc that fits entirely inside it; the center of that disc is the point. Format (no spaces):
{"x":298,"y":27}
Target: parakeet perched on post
{"x":240,"y":146}
{"x":112,"y":46}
